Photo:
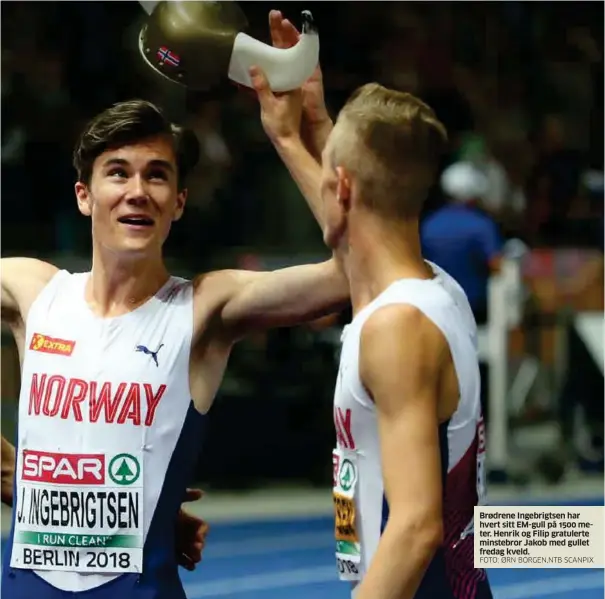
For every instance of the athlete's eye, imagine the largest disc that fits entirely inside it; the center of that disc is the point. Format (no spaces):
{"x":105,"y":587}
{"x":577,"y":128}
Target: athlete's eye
{"x":158,"y":174}
{"x":117,"y":172}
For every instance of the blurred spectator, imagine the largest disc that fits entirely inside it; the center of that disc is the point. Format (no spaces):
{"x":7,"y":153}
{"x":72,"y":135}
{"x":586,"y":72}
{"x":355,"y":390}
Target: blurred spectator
{"x":502,"y":199}
{"x":554,"y":182}
{"x":462,"y":239}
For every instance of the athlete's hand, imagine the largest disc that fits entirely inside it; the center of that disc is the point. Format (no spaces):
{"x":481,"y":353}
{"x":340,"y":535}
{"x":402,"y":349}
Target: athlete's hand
{"x":285,"y":35}
{"x":316,"y":123}
{"x":280,"y":114}
{"x":191,"y":534}
{"x":301,"y":112}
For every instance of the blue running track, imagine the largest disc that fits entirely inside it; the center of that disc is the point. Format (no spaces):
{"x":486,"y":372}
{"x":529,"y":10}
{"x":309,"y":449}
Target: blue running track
{"x":294,"y":559}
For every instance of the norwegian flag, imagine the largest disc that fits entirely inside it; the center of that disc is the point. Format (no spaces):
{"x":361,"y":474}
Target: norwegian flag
{"x":165,"y":55}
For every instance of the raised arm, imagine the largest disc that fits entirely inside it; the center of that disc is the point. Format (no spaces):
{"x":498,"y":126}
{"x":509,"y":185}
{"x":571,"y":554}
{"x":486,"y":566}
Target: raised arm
{"x":401,"y":359}
{"x":260,"y":300}
{"x":316,"y":123}
{"x":297,"y":123}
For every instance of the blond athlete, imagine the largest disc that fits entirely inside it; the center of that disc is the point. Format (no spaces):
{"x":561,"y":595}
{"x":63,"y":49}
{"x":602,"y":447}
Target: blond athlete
{"x":410,"y":446}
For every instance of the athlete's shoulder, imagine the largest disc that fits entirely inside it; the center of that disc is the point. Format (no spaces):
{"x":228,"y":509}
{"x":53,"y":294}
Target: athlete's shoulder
{"x":219,"y":286}
{"x":28,"y":268}
{"x":398,"y":338}
{"x":216,"y":284}
{"x":422,"y":294}
{"x":23,"y":279}
{"x":397,"y":322}
{"x":446,"y":282}
{"x":177,"y":291}
{"x":212,"y":291}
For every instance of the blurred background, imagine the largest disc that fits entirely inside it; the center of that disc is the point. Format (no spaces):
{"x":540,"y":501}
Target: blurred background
{"x":516,"y":216}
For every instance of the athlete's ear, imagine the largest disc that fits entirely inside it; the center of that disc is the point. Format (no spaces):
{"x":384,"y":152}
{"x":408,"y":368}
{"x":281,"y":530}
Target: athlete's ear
{"x":343,"y":189}
{"x":181,"y":200}
{"x":84,"y":198}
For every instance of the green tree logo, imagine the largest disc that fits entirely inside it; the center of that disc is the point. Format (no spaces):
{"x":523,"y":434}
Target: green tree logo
{"x":347,"y":475}
{"x":124,"y":469}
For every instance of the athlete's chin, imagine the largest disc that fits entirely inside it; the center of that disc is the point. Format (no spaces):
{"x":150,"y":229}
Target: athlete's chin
{"x":139,"y":245}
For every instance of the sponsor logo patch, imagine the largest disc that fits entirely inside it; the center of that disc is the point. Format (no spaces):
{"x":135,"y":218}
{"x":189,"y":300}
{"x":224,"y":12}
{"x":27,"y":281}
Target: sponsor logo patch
{"x":51,"y":345}
{"x":63,"y":468}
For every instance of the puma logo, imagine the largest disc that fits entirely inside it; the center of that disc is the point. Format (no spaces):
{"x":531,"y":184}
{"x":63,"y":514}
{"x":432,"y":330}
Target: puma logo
{"x":154,"y":354}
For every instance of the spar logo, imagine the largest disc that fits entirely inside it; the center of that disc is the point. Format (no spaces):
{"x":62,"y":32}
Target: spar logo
{"x":51,"y":345}
{"x":347,"y":475}
{"x":124,"y":469}
{"x":63,"y":468}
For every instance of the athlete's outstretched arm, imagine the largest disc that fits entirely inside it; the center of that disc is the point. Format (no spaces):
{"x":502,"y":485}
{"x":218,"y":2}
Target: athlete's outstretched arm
{"x":284,"y":297}
{"x":401,"y":356}
{"x":301,"y":293}
{"x":7,"y":456}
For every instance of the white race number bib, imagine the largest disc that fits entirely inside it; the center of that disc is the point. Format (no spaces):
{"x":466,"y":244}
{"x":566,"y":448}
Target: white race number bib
{"x":79,"y":512}
{"x":348,"y":549}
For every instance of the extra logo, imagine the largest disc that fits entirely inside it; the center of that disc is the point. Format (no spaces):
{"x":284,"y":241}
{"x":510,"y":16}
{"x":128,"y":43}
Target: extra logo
{"x":124,"y":469}
{"x":347,"y":475}
{"x":51,"y":345}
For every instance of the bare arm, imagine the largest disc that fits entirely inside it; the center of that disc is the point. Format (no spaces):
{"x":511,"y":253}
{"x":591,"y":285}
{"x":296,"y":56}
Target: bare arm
{"x":291,"y":295}
{"x":401,"y":358}
{"x":315,"y":137}
{"x":22,"y":281}
{"x":297,"y":122}
{"x":306,"y":172}
{"x":281,"y":117}
{"x":8,"y":472}
{"x":316,"y":122}
{"x":253,"y":301}
{"x":285,"y":297}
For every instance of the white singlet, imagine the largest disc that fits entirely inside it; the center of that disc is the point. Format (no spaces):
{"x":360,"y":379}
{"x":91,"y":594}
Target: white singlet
{"x":107,"y":441}
{"x":361,"y":509}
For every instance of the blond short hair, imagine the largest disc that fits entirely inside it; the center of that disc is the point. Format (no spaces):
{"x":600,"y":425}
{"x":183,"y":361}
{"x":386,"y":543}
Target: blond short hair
{"x":391,"y":142}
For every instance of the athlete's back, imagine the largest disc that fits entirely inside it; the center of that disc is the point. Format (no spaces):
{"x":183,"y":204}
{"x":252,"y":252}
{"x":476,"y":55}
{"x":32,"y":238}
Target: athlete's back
{"x":361,"y":506}
{"x":98,"y":491}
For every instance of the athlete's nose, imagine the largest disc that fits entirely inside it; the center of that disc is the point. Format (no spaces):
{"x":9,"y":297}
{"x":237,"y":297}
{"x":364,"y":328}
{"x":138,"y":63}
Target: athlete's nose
{"x":138,"y":193}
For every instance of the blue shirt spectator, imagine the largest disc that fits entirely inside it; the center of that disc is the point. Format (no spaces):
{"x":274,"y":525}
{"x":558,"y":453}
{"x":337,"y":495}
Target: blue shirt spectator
{"x":461,"y":239}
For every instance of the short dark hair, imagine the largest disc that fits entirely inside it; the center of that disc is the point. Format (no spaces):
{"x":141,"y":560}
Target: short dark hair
{"x":127,"y":123}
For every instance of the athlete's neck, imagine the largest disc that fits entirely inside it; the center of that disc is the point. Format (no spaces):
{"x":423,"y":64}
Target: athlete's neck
{"x":378,"y":254}
{"x":120,"y":284}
